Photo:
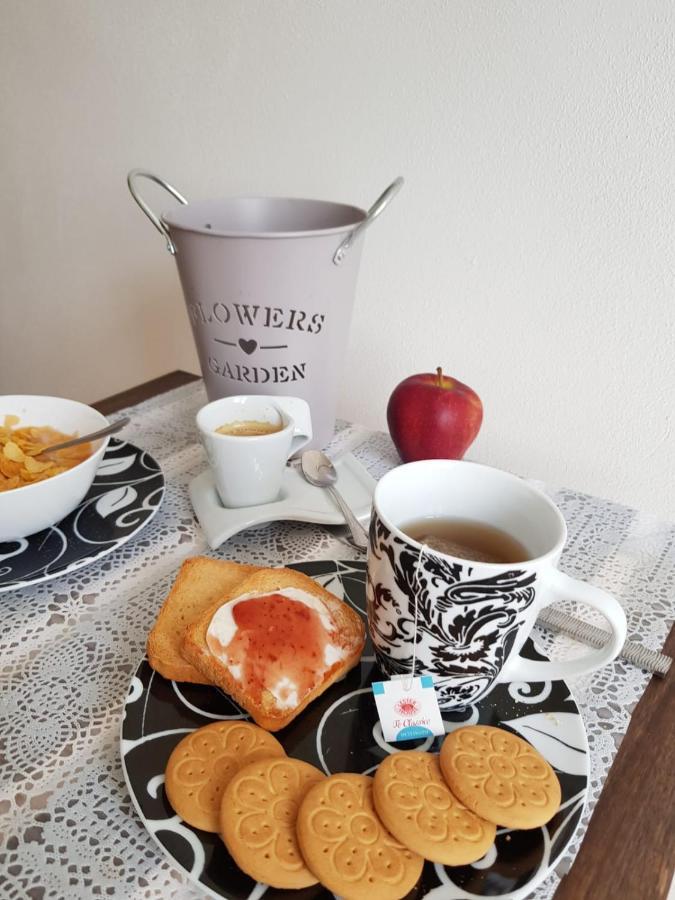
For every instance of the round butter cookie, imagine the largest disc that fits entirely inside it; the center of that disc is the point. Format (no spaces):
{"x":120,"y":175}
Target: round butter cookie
{"x":346,"y":845}
{"x":416,"y":805}
{"x":500,"y":776}
{"x":258,"y":816}
{"x":203,"y":763}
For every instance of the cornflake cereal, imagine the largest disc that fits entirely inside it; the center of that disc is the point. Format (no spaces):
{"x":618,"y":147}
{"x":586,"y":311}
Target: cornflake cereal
{"x":22,"y":460}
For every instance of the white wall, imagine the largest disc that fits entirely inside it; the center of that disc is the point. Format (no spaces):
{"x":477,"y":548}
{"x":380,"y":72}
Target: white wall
{"x":531,"y":252}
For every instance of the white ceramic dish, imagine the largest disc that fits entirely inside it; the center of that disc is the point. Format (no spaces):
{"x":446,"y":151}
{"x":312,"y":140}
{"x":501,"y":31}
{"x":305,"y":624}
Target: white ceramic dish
{"x":31,"y":508}
{"x":299,"y":502}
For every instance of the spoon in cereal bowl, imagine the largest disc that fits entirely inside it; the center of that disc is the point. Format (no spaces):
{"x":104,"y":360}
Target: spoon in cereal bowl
{"x":113,"y":428}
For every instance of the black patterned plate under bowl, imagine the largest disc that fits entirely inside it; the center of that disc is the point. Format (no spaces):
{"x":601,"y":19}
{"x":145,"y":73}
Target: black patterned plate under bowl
{"x":340,"y":732}
{"x":124,"y":496}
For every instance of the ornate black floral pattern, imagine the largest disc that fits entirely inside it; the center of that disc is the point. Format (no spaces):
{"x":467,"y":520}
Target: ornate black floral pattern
{"x":466,"y":620}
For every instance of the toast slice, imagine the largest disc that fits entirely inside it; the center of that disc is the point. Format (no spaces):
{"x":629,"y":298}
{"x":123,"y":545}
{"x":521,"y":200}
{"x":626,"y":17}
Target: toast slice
{"x":277,"y":654}
{"x":200,"y":582}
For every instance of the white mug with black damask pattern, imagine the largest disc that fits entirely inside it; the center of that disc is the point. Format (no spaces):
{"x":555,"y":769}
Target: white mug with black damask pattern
{"x":472,"y":617}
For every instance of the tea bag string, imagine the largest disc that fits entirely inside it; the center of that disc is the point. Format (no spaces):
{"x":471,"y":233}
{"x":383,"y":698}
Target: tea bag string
{"x":416,"y":592}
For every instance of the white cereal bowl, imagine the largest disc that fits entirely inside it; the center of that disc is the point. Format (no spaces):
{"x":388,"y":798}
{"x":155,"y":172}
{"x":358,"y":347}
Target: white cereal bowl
{"x":25,"y":510}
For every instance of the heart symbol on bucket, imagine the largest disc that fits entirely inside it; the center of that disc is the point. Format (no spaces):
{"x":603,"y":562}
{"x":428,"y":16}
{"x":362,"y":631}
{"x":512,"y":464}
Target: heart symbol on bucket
{"x":248,"y":346}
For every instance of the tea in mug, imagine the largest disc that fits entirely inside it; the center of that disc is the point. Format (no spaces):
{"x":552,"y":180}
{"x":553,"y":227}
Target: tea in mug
{"x":250,"y":428}
{"x":467,"y":539}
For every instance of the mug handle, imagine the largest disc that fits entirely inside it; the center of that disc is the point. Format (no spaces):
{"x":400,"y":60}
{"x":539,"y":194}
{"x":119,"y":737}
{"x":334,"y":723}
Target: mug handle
{"x":559,"y":586}
{"x":298,"y":410}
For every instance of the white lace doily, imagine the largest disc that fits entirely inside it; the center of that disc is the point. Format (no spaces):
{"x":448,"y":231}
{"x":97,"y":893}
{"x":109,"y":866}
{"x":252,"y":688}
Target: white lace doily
{"x":69,"y":646}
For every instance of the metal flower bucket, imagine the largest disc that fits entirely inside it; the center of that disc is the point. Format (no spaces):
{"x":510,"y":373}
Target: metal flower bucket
{"x":269,"y":285}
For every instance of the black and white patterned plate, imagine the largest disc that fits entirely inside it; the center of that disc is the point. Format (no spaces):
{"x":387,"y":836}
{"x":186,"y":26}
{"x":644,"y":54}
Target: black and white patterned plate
{"x":124,"y":496}
{"x":340,"y":732}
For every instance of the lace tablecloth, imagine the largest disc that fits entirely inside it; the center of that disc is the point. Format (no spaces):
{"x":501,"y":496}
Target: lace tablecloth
{"x":69,"y":647}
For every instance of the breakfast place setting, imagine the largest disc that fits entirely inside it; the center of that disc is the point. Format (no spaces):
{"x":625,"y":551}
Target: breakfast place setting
{"x":252,"y":650}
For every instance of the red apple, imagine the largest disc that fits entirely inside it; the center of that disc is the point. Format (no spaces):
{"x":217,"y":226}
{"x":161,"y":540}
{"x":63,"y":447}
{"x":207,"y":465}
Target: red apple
{"x":433,"y":416}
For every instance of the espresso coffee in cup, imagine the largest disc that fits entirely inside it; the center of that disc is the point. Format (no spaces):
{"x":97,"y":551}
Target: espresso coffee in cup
{"x":249,"y":428}
{"x":461,"y":558}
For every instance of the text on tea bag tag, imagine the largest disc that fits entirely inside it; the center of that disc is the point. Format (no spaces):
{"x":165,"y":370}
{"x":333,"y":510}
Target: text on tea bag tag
{"x":406,"y":705}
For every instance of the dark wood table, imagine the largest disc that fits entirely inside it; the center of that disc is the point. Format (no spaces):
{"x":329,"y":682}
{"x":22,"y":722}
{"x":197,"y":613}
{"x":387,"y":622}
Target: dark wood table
{"x":628,"y":852}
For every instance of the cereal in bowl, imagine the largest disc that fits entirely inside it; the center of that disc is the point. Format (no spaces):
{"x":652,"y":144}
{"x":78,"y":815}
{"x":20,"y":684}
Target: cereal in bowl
{"x":22,"y":457}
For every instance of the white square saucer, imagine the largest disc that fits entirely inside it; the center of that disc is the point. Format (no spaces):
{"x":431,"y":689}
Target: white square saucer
{"x":299,"y":501}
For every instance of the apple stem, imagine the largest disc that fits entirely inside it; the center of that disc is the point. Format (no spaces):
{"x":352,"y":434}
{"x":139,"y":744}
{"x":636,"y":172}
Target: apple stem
{"x":439,"y":373}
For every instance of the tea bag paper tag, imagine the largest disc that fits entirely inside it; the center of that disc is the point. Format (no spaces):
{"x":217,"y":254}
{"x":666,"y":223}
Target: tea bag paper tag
{"x":408,"y":708}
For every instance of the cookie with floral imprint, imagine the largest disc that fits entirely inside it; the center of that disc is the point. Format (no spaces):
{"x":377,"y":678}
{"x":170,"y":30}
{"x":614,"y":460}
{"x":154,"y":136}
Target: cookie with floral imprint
{"x":500,"y":776}
{"x":258,"y":817}
{"x":347,"y":846}
{"x":204,"y":762}
{"x":417,"y":806}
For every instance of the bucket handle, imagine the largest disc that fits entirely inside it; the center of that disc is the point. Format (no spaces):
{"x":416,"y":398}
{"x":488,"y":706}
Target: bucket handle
{"x":382,"y":201}
{"x":378,"y":206}
{"x":156,"y":221}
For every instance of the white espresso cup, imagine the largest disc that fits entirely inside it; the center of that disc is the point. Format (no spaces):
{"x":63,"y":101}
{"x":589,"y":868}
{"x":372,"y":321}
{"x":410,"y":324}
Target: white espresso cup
{"x":465,"y":622}
{"x":248,"y":469}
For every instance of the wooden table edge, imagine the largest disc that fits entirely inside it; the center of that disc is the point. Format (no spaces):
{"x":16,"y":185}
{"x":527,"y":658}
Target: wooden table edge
{"x":609,"y":859}
{"x":145,"y":391}
{"x":628,"y":850}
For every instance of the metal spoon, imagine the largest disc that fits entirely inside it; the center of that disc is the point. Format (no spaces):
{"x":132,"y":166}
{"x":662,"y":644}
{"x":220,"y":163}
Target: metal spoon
{"x":92,"y":436}
{"x":320,"y":471}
